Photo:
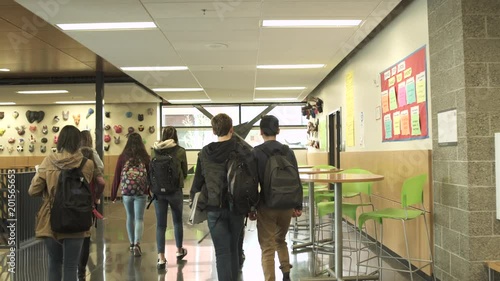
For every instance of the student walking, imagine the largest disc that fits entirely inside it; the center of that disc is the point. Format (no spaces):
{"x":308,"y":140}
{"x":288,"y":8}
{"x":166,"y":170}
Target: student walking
{"x":131,"y":176}
{"x":63,"y":248}
{"x":97,"y":187}
{"x":171,"y":195}
{"x":273,"y":223}
{"x":211,"y":179}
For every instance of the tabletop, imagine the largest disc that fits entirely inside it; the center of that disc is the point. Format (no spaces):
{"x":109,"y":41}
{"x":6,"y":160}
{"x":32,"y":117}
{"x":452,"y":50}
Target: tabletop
{"x":312,"y":171}
{"x":339,"y":178}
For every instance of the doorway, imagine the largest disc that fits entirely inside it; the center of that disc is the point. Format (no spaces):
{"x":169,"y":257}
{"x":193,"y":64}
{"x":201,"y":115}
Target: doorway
{"x":334,"y":138}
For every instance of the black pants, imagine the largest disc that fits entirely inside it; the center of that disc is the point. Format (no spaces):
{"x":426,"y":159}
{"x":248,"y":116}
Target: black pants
{"x":84,"y":257}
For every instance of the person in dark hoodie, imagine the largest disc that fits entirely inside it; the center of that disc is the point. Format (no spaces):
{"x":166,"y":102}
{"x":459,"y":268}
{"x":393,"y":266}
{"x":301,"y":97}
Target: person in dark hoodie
{"x":211,"y":180}
{"x":169,"y":145}
{"x":63,"y":248}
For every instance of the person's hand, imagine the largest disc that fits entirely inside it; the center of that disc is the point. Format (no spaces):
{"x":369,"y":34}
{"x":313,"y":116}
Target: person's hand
{"x":296,"y":213}
{"x":97,"y":201}
{"x":190,"y":203}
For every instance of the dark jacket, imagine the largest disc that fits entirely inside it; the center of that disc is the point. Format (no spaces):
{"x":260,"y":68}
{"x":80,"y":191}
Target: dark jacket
{"x":262,"y":158}
{"x":212,"y":161}
{"x":171,"y":148}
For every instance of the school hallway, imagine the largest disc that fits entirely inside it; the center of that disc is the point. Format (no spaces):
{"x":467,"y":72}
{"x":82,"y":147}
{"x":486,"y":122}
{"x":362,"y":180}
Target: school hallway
{"x":111,"y":260}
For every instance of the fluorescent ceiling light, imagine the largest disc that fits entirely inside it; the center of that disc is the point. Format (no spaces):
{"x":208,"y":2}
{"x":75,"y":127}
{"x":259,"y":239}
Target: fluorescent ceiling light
{"x":106,"y":26}
{"x":153,"y":68}
{"x":189,"y":101}
{"x":279,"y":88}
{"x":4,"y":70}
{"x":76,"y":102}
{"x":289,"y":66}
{"x":43,"y":92}
{"x":7,"y":103}
{"x":310,"y":23}
{"x":275,"y":99}
{"x":178,"y":89}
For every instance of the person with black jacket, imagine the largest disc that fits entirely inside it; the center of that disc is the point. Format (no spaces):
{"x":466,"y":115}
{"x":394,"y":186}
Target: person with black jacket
{"x":211,"y":179}
{"x":272,"y":224}
{"x":169,"y":145}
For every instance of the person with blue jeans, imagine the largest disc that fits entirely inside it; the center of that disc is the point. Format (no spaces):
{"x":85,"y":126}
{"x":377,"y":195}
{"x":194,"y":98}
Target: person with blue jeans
{"x":131,"y":175}
{"x":211,"y":180}
{"x":63,"y":248}
{"x":169,"y":146}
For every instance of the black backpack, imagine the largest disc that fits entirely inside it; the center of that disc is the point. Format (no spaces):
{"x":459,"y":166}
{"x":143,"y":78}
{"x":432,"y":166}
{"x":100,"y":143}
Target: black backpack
{"x":282,"y":187}
{"x":242,"y":183}
{"x":71,"y":210}
{"x":164,"y":174}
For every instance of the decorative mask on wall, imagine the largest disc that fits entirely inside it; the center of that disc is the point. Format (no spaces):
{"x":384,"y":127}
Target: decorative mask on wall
{"x":55,"y":119}
{"x":45,"y":130}
{"x":65,"y":115}
{"x":151,"y":129}
{"x":32,"y":128}
{"x":129,"y":114}
{"x":76,"y":118}
{"x":107,"y":114}
{"x":32,"y":139}
{"x":44,"y":140}
{"x":150,"y":111}
{"x":31,"y":148}
{"x":140,"y":117}
{"x":106,"y":147}
{"x":107,"y":138}
{"x":140,"y":128}
{"x":2,"y":115}
{"x":89,"y":113}
{"x":118,"y":128}
{"x":56,"y":139}
{"x":54,"y":149}
{"x":10,"y":149}
{"x":21,"y":130}
{"x":1,"y":147}
{"x":55,"y":129}
{"x":33,"y":116}
{"x":43,"y":149}
{"x":11,"y":140}
{"x":21,"y":141}
{"x":2,"y":131}
{"x":130,"y":130}
{"x":107,"y":127}
{"x":117,"y":139}
{"x":20,"y":148}
{"x":15,"y":114}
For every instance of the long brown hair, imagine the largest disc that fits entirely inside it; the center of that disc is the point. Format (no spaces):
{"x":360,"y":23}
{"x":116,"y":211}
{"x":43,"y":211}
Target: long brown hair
{"x":86,"y":139}
{"x":135,"y":150}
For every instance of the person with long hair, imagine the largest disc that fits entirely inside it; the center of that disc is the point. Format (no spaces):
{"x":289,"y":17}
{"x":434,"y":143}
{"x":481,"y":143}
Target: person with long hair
{"x":169,"y":146}
{"x":131,"y":175}
{"x":97,"y":187}
{"x":63,"y":248}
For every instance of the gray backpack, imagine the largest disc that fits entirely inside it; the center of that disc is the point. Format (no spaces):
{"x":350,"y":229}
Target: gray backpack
{"x":282,"y":188}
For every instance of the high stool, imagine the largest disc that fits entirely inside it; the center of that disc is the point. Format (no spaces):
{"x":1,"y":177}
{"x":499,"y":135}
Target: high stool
{"x":411,"y":194}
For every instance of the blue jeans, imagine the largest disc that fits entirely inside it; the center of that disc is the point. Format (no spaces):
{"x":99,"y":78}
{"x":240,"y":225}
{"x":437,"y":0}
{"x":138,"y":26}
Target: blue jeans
{"x":64,"y":256}
{"x":225,"y":229}
{"x":161,"y":209}
{"x":135,"y":207}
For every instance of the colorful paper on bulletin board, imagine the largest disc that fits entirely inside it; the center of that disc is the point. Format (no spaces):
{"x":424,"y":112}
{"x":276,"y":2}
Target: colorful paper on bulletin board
{"x":349,"y":90}
{"x":407,"y":94}
{"x":322,"y":130}
{"x":385,"y":101}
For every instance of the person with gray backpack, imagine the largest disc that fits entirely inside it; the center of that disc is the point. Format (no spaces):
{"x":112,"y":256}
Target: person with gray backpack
{"x":280,"y":197}
{"x":167,"y":172}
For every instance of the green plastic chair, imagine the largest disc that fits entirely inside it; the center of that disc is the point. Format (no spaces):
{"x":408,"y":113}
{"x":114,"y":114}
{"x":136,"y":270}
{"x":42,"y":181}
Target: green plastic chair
{"x":411,"y":194}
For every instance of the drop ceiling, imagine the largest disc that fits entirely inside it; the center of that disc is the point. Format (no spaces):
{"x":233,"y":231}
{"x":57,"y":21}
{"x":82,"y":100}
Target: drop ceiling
{"x":221,"y":42}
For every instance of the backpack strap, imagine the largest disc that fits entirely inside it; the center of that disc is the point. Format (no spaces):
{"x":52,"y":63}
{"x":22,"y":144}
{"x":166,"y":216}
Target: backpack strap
{"x":84,"y":160}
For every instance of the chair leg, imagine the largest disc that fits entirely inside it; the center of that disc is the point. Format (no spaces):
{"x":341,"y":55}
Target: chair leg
{"x":407,"y":250}
{"x":430,"y":248}
{"x":380,"y":252}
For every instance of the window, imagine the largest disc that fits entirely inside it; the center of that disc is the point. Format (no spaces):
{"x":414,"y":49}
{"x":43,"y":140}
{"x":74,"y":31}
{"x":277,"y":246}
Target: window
{"x":194,"y":128}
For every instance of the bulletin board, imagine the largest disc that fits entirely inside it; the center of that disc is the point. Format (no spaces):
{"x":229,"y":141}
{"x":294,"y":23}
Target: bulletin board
{"x":404,"y":99}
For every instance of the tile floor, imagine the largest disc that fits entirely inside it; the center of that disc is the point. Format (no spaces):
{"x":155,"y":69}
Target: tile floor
{"x":111,"y":260}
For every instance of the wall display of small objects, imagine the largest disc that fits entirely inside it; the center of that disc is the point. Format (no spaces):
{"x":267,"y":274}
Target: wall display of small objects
{"x":312,"y":111}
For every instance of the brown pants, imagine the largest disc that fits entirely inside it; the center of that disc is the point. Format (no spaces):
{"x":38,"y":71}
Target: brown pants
{"x":272,"y":227}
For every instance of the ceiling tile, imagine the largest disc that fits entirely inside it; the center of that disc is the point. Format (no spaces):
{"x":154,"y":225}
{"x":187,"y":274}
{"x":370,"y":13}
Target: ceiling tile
{"x":219,"y":58}
{"x":208,"y":24}
{"x":183,"y":95}
{"x":164,"y":79}
{"x":213,"y":9}
{"x":214,"y":36}
{"x":313,"y":9}
{"x":235,"y":80}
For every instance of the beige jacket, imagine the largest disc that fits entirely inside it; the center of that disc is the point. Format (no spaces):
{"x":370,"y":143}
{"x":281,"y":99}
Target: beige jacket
{"x":44,"y":184}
